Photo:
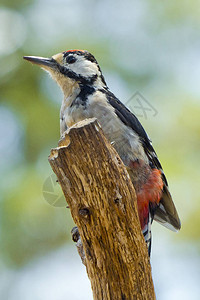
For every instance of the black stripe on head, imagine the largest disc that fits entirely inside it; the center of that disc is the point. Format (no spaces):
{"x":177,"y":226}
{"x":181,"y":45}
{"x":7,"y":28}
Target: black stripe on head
{"x":78,"y":52}
{"x":69,"y":73}
{"x":87,"y":55}
{"x":91,"y":58}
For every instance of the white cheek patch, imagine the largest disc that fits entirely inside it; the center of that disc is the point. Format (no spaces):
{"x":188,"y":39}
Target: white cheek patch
{"x":84,"y":67}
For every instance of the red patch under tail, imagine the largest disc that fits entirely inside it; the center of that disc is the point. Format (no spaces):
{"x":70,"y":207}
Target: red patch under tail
{"x":150,"y":192}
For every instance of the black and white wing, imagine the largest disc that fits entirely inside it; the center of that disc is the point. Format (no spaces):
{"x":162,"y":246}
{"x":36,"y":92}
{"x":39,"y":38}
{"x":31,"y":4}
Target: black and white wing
{"x":165,"y":213}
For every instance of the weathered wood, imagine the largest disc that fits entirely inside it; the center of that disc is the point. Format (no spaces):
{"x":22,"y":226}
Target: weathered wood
{"x":103,"y":205}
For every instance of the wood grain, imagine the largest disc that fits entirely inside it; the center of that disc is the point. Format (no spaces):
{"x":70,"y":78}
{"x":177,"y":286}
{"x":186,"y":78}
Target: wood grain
{"x":103,"y":204}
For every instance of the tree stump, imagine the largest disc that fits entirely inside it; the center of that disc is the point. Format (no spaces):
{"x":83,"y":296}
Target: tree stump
{"x":102,"y":200}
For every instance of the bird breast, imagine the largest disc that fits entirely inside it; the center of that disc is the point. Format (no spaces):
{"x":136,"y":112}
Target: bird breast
{"x":124,"y":139}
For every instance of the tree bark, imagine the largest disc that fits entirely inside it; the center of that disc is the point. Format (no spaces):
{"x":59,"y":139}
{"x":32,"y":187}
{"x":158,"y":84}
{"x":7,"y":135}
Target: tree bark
{"x":103,"y":204}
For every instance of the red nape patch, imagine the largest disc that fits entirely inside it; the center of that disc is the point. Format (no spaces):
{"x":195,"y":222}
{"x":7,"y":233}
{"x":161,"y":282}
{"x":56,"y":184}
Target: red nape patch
{"x":150,"y":192}
{"x":75,"y":50}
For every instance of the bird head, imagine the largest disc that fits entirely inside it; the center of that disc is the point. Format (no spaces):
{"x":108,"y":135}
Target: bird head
{"x":71,"y":68}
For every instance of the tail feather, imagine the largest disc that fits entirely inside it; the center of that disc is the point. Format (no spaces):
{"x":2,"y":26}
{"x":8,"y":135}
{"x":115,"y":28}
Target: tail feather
{"x":147,"y":234}
{"x":166,"y":213}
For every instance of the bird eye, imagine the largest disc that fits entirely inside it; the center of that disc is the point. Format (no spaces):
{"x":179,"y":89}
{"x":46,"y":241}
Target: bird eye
{"x":70,"y":59}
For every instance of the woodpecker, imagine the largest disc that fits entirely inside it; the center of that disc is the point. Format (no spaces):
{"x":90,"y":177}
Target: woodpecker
{"x":86,"y":95}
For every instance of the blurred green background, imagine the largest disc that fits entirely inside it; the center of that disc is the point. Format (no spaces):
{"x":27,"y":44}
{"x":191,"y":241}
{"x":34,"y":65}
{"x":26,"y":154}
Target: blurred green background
{"x":148,"y":46}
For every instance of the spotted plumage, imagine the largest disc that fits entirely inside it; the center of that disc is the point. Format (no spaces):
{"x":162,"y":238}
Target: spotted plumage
{"x":86,"y":95}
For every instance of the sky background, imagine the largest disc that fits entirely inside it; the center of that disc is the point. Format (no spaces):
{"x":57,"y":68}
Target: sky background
{"x":149,"y":54}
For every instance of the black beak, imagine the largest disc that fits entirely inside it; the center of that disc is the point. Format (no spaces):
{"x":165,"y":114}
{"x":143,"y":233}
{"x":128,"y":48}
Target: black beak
{"x":42,"y":61}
